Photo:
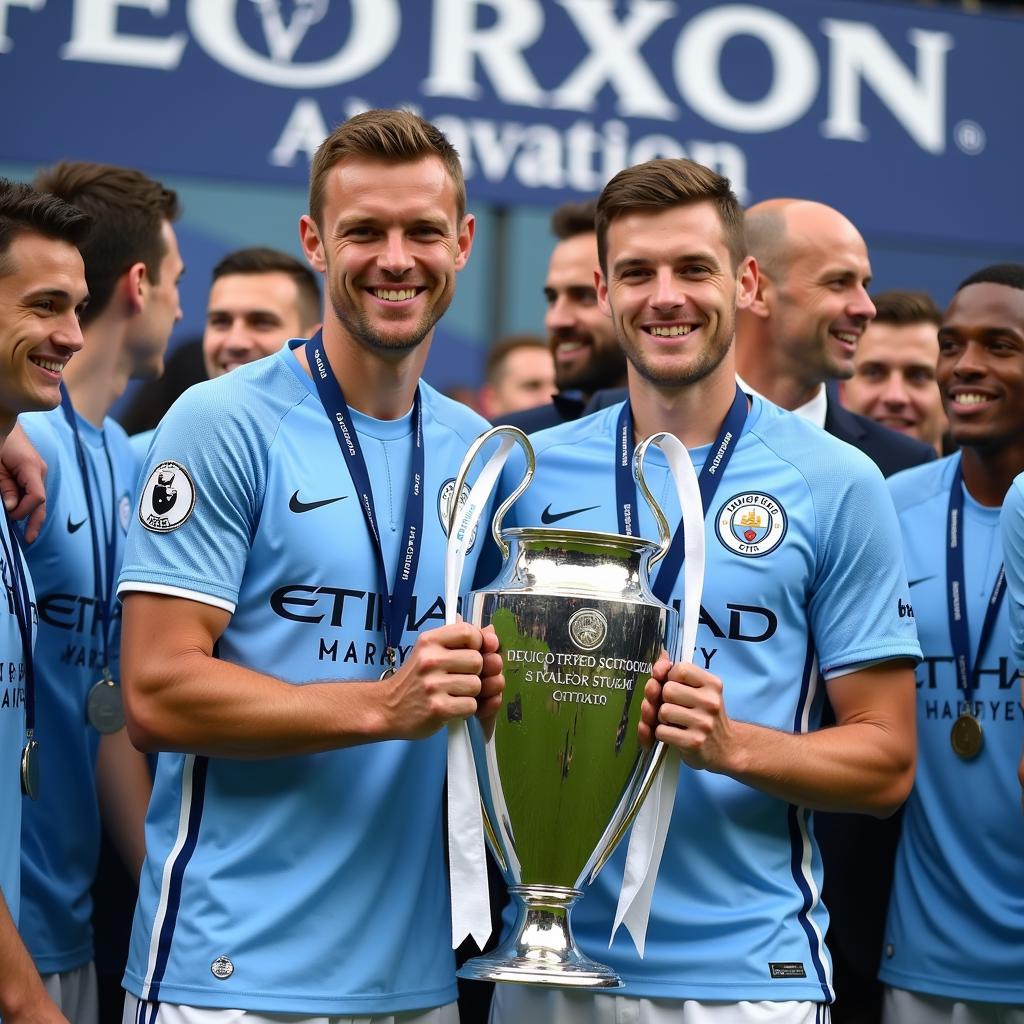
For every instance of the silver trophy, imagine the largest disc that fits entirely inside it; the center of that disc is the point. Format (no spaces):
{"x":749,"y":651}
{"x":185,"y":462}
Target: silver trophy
{"x":561,"y":773}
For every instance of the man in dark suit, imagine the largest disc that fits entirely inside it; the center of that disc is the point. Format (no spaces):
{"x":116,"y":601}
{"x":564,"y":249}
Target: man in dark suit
{"x":793,"y":343}
{"x":582,"y":339}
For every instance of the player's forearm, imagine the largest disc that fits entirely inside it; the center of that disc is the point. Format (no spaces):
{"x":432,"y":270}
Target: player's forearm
{"x":200,"y":704}
{"x":22,"y":996}
{"x":864,"y":767}
{"x":123,"y":785}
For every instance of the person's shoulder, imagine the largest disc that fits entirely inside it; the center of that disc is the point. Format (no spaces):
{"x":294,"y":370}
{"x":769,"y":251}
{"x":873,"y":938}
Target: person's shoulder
{"x":888,"y":449}
{"x":920,"y":484}
{"x":45,"y":430}
{"x":597,"y":427}
{"x":452,"y":414}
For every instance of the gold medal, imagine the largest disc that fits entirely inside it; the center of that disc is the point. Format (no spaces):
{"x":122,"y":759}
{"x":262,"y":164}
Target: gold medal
{"x":966,"y":737}
{"x":30,"y":769}
{"x":104,"y":706}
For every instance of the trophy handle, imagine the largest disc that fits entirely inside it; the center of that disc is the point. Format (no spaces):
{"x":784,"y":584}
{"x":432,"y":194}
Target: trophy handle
{"x":664,"y":531}
{"x":511,"y":434}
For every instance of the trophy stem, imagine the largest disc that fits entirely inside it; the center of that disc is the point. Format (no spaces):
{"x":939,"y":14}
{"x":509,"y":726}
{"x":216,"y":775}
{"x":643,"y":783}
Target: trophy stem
{"x":541,"y":949}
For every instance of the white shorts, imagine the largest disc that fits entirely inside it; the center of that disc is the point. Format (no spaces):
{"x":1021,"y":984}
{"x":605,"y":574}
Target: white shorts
{"x":142,"y":1012}
{"x":75,"y":994}
{"x":519,"y":1004}
{"x":901,"y":1006}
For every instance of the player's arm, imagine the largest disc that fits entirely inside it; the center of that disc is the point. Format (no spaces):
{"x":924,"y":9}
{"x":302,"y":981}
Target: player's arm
{"x":865,"y":763}
{"x":123,"y":786}
{"x":178,"y":696}
{"x":23,"y":1000}
{"x":23,"y":481}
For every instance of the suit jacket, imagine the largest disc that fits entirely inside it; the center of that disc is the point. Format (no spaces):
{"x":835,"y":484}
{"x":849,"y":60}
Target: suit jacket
{"x":562,"y":408}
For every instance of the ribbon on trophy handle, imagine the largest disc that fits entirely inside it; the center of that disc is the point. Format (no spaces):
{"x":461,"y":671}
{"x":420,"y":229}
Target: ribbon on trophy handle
{"x":467,"y":863}
{"x":647,"y":840}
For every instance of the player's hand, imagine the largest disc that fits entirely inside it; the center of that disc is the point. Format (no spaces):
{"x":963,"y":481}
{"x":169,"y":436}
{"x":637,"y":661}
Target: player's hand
{"x":652,"y":701}
{"x":492,"y":681}
{"x":22,"y":482}
{"x":438,"y":681}
{"x":40,"y":1009}
{"x":687,"y":711}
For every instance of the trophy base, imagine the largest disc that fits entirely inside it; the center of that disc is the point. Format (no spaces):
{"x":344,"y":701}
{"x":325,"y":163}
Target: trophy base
{"x":541,"y":949}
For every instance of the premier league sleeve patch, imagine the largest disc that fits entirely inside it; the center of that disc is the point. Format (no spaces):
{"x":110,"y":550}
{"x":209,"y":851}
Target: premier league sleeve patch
{"x":168,"y":498}
{"x":751,"y":524}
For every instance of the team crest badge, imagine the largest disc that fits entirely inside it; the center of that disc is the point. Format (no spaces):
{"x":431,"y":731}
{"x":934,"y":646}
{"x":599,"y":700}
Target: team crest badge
{"x":168,"y":498}
{"x":751,"y":524}
{"x":444,"y":507}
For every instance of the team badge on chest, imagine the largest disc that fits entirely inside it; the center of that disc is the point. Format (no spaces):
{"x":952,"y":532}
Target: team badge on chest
{"x":168,"y":498}
{"x":751,"y":524}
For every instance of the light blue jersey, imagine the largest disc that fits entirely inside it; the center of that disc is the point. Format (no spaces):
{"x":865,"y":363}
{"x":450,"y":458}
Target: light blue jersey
{"x":12,"y":730}
{"x":1013,"y":553}
{"x":317,"y":884}
{"x":61,"y":830}
{"x":956,"y":914}
{"x":803,"y":568}
{"x":140,"y":444}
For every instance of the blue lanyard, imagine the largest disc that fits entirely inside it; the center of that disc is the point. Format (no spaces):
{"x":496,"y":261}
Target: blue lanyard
{"x":967,"y":675}
{"x":397,"y":602}
{"x":103,"y":572}
{"x":23,"y":613}
{"x":709,"y":478}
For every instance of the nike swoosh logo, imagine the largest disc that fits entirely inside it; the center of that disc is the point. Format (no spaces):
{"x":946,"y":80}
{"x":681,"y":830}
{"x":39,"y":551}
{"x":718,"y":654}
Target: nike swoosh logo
{"x":921,"y":579}
{"x":307,"y":506}
{"x":548,"y":517}
{"x":75,"y":527}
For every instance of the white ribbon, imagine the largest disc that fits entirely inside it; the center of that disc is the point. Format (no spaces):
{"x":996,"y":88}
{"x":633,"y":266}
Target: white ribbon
{"x":647,"y":840}
{"x":467,"y":860}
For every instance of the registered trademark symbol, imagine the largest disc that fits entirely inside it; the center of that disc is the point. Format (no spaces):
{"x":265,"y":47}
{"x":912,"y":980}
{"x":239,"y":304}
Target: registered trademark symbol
{"x":969,"y":137}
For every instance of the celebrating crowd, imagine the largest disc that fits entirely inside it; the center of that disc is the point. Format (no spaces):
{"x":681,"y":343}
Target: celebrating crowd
{"x":227,"y":645}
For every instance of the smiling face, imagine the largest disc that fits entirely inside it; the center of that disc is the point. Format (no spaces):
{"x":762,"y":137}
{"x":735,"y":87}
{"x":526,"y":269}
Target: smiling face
{"x":981,"y":365}
{"x":249,"y":316}
{"x":894,"y":380}
{"x":390,"y":247}
{"x":672,"y":293}
{"x":42,"y":294}
{"x":582,"y":338}
{"x":818,"y":300}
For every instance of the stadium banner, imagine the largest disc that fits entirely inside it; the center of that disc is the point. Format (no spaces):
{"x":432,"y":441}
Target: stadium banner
{"x":905,"y":117}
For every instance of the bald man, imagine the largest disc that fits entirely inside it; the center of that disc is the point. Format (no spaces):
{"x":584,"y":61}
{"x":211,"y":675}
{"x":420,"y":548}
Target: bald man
{"x":802,"y":329}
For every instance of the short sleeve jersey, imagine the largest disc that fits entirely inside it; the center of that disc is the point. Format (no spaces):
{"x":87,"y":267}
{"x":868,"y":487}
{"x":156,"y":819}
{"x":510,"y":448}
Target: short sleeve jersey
{"x":12,"y":729}
{"x":803,"y":569}
{"x":61,"y":830}
{"x":1013,"y":554}
{"x":956,"y":914}
{"x":312,"y":884}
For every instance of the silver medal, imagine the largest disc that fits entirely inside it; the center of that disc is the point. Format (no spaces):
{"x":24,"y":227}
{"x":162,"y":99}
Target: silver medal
{"x":30,"y":769}
{"x":104,"y":707}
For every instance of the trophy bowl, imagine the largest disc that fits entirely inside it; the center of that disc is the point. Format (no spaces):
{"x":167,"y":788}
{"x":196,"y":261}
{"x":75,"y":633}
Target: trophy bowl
{"x":561,"y":770}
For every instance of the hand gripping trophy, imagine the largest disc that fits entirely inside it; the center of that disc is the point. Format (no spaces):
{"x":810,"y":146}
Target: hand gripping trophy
{"x":561,"y":773}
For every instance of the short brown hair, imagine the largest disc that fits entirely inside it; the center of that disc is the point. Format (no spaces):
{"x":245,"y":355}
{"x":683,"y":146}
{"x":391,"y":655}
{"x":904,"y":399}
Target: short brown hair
{"x":260,"y":259}
{"x":572,"y":219}
{"x":662,"y":184}
{"x":494,"y":366}
{"x":392,"y":136}
{"x":905,"y":307}
{"x":24,"y":210}
{"x":128,"y":209}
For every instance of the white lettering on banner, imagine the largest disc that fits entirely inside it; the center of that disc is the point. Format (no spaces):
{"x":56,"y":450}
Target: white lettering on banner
{"x":859,"y":52}
{"x":94,"y":36}
{"x":615,"y":58}
{"x":697,"y":66}
{"x":303,"y":132}
{"x":284,"y":37}
{"x":375,"y":28}
{"x":456,"y":45}
{"x":5,"y":6}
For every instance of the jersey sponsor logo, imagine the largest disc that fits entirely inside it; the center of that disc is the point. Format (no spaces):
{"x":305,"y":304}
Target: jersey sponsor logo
{"x":222,"y":968}
{"x":751,"y":524}
{"x":168,"y":498}
{"x":299,"y":506}
{"x":74,"y":527}
{"x":444,"y":507}
{"x":588,"y":629}
{"x":124,"y":511}
{"x":548,"y":517}
{"x":905,"y":609}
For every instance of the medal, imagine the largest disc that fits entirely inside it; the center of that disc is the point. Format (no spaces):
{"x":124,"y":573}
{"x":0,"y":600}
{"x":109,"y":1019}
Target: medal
{"x":966,"y":737}
{"x":30,"y":769}
{"x":104,"y":706}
